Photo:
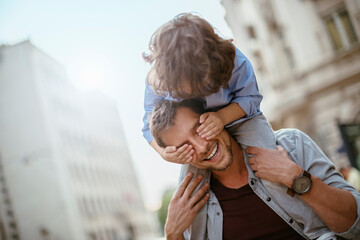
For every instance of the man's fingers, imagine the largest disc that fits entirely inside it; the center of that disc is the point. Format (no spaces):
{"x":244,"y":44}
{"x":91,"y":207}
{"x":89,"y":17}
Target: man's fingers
{"x":201,"y":203}
{"x":199,"y":194}
{"x":252,"y":163}
{"x":252,"y":150}
{"x":253,"y":167}
{"x":191,"y":187}
{"x":181,"y":189}
{"x":280,"y":148}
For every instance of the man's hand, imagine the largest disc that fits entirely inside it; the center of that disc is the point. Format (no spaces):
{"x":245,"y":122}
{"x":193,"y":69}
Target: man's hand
{"x":211,"y":125}
{"x":183,"y":207}
{"x":181,"y":155}
{"x":273,"y":165}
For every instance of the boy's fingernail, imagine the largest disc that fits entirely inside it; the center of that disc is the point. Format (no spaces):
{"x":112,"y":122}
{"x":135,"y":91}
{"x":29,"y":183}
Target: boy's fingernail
{"x":200,"y":177}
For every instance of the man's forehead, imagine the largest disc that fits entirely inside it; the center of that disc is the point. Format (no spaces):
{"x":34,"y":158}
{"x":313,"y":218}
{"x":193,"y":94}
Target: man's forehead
{"x":185,"y":123}
{"x":186,"y":114}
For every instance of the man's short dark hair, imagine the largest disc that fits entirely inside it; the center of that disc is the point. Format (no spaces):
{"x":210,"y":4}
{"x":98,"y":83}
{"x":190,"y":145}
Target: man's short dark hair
{"x":163,"y":116}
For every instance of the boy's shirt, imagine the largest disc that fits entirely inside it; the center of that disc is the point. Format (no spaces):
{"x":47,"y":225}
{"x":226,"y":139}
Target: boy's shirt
{"x":242,"y":89}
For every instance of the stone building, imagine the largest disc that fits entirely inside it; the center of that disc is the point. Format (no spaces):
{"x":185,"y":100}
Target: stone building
{"x":306,"y":56}
{"x":65,"y":169}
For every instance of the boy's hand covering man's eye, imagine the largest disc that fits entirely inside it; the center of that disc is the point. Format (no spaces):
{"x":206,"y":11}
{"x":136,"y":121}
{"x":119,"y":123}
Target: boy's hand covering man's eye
{"x":181,"y":155}
{"x":211,"y":125}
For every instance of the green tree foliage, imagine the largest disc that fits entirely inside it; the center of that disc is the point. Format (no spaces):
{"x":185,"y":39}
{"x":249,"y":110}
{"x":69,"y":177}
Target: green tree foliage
{"x":162,"y":212}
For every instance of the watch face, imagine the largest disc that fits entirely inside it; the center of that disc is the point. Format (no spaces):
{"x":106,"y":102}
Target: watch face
{"x":302,"y":184}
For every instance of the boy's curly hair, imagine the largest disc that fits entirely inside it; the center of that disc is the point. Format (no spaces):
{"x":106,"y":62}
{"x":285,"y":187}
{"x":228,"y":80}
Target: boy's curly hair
{"x":188,"y":59}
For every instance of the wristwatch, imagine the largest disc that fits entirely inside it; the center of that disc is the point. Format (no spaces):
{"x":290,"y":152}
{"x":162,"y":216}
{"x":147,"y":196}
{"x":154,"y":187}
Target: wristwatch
{"x":301,"y":184}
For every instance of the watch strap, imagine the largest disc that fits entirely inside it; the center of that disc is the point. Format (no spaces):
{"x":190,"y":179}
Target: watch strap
{"x":291,"y":191}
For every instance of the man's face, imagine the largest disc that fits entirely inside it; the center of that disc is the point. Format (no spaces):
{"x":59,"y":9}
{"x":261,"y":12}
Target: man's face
{"x":214,"y":154}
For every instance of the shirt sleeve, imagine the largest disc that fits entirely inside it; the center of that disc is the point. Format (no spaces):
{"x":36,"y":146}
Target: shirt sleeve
{"x":150,"y":100}
{"x":310,"y":157}
{"x":243,"y":86}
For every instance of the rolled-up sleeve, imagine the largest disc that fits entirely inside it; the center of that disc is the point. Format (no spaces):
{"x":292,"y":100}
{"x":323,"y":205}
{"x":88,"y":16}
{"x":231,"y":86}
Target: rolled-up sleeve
{"x":150,"y":100}
{"x":310,"y":157}
{"x":243,"y":86}
{"x":326,"y":170}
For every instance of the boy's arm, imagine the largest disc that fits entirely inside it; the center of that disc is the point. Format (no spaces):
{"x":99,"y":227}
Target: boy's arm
{"x":150,"y":100}
{"x":243,"y":86}
{"x":231,"y":113}
{"x":156,"y":147}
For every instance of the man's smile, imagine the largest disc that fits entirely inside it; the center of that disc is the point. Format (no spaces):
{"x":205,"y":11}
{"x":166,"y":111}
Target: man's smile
{"x":213,"y":153}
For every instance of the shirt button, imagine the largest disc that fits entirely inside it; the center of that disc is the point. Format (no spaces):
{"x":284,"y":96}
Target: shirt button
{"x":291,"y":221}
{"x":217,"y":213}
{"x":268,"y":199}
{"x":252,"y":182}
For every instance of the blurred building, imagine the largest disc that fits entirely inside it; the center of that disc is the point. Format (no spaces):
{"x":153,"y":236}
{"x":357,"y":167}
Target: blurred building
{"x":65,"y":169}
{"x":306,"y":55}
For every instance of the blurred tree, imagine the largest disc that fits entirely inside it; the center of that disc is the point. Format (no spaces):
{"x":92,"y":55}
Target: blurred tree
{"x":165,"y":201}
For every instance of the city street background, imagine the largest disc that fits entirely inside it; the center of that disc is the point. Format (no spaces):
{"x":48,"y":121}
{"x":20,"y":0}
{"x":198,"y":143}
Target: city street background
{"x":73,"y":161}
{"x":100,"y":44}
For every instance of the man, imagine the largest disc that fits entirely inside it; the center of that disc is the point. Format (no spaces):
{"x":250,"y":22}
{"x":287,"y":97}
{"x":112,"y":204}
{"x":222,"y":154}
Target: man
{"x":268,"y":196}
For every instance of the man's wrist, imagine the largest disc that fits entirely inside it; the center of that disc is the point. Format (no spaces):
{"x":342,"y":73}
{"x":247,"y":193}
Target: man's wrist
{"x":294,"y":171}
{"x":173,"y":236}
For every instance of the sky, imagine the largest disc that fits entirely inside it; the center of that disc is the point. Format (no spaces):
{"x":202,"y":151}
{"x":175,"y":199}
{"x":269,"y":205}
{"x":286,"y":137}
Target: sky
{"x":100,"y":43}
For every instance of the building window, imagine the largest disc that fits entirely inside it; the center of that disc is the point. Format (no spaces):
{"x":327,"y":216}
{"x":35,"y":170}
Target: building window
{"x":340,"y":29}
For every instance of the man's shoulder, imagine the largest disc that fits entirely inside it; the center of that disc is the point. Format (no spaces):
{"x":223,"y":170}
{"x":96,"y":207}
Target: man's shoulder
{"x":289,"y":138}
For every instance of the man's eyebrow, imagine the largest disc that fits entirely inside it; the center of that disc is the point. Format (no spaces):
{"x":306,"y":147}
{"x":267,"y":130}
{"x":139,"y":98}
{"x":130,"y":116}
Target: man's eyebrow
{"x":193,"y":128}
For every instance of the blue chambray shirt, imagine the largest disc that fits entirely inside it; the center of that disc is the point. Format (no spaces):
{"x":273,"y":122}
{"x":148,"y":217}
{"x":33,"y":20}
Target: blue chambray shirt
{"x":242,"y":89}
{"x":304,"y":152}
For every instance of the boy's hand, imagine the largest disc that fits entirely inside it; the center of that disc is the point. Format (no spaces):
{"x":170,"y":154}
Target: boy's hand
{"x":211,"y":125}
{"x":181,"y":155}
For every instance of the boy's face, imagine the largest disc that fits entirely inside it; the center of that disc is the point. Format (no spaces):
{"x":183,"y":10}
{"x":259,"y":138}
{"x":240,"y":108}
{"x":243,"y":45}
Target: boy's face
{"x":214,"y":154}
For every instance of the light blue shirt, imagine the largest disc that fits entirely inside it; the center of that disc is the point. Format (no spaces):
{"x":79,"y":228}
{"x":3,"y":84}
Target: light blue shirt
{"x":208,"y":223}
{"x":242,"y":89}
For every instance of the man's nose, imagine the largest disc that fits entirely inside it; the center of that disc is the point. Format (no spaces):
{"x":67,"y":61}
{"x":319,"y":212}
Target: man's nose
{"x":200,"y":145}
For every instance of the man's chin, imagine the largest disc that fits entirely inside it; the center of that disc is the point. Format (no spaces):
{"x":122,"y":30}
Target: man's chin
{"x":222,"y":168}
{"x":228,"y":164}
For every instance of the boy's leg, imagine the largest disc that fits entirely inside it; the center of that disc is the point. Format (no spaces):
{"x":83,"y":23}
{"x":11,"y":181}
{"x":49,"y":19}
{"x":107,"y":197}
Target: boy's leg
{"x":255,"y":132}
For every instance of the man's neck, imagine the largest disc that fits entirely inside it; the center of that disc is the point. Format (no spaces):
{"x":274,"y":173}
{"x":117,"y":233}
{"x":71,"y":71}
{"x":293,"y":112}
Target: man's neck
{"x":236,"y":175}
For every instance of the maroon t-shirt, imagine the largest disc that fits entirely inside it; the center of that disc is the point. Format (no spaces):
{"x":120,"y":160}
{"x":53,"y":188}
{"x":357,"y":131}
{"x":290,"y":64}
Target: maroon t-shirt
{"x":246,"y":216}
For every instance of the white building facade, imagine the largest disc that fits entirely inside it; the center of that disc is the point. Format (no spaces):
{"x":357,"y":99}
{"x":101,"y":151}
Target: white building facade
{"x":65,"y":169}
{"x":306,"y":56}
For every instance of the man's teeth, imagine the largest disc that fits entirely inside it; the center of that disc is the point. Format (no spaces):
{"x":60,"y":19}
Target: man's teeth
{"x":213,"y":152}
